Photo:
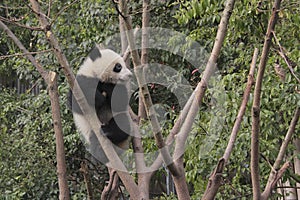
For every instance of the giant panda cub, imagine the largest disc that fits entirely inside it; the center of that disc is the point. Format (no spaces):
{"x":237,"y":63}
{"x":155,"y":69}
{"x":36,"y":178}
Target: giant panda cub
{"x":104,"y":80}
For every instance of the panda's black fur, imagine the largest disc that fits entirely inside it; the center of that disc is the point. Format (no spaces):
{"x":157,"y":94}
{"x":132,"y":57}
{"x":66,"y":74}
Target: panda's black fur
{"x":103,"y":79}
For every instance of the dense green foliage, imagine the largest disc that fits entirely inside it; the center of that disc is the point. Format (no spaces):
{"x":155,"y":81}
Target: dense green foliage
{"x":27,"y":139}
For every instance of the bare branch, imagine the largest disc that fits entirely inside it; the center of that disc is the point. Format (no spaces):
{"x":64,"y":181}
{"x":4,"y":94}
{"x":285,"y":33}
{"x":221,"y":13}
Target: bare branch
{"x":256,"y":103}
{"x":24,"y":54}
{"x":215,"y":180}
{"x":85,"y":171}
{"x":144,"y":50}
{"x":54,"y":42}
{"x":275,"y":173}
{"x":242,"y":109}
{"x":49,"y":8}
{"x":19,"y":24}
{"x":285,"y":58}
{"x":110,"y":191}
{"x":40,"y":69}
{"x":201,"y":87}
{"x":138,"y":68}
{"x":61,"y":11}
{"x":64,"y":192}
{"x":127,"y":51}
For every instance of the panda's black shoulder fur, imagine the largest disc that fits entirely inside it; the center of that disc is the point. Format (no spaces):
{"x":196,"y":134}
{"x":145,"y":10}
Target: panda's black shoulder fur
{"x":90,"y":95}
{"x":103,"y":94}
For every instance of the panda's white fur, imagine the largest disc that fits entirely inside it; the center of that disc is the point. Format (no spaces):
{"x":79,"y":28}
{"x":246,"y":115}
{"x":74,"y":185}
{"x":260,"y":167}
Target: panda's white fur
{"x":103,"y":78}
{"x":102,"y":67}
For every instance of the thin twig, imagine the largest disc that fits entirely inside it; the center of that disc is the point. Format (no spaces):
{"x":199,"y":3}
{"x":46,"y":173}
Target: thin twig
{"x":282,"y":54}
{"x":49,"y":7}
{"x":275,"y":174}
{"x":20,"y":25}
{"x":41,"y":70}
{"x":61,"y":11}
{"x":24,"y":54}
{"x":118,"y":11}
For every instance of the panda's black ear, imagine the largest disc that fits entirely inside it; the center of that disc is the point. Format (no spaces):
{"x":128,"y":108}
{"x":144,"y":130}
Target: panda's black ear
{"x":95,"y":53}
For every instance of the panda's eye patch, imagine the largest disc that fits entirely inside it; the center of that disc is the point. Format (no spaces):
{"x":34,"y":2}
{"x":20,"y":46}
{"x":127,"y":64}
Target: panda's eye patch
{"x":118,"y":67}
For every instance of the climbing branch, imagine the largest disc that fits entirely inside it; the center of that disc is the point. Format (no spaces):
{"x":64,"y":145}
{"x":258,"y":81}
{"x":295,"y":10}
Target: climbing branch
{"x":138,"y":69}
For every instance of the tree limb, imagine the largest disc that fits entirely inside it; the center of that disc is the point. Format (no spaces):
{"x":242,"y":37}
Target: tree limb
{"x":24,"y":54}
{"x":110,"y":191}
{"x":64,"y":192}
{"x":85,"y":171}
{"x":138,"y":69}
{"x":256,"y":103}
{"x":202,"y":86}
{"x":37,"y":65}
{"x":276,"y":174}
{"x":215,"y":180}
{"x":54,"y":43}
{"x":20,"y":25}
{"x":285,"y":58}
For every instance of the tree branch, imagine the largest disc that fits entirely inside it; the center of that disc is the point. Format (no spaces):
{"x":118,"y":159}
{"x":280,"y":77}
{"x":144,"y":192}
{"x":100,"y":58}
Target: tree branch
{"x":256,"y":103}
{"x":138,"y":69}
{"x":285,"y":58}
{"x":37,"y":65}
{"x":85,"y":172}
{"x":215,"y":180}
{"x":54,"y":42}
{"x":110,"y":191}
{"x":25,"y":54}
{"x":64,"y":192}
{"x":20,"y":25}
{"x":276,"y":174}
{"x":201,"y":87}
{"x":50,"y":79}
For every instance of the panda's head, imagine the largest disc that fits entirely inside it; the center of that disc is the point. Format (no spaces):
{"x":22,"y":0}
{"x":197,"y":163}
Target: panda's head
{"x":105,"y":65}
